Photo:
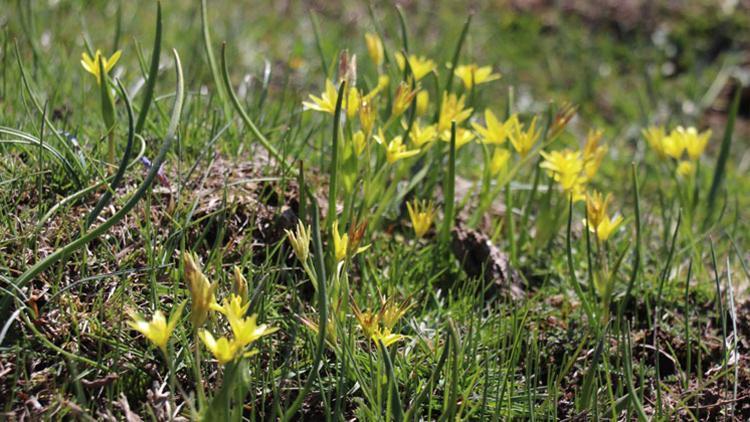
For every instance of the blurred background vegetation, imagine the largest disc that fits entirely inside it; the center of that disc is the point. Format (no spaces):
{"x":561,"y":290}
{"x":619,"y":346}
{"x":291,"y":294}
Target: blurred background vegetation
{"x":625,"y":63}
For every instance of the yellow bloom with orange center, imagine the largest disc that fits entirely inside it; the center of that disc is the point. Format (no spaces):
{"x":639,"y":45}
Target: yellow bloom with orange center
{"x":472,"y":74}
{"x":422,"y":214}
{"x":91,"y":65}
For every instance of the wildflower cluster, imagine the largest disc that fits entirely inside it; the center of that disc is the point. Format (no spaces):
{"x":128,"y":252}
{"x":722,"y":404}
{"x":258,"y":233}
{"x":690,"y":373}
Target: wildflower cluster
{"x":685,"y":146}
{"x":378,"y":326}
{"x":573,"y":169}
{"x":244,"y":329}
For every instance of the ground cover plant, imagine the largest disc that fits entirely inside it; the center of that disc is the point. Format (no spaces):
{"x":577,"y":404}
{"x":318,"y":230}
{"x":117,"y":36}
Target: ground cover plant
{"x":352,"y":211}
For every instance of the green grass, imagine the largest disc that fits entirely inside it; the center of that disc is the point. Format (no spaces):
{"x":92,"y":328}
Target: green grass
{"x":647,"y":324}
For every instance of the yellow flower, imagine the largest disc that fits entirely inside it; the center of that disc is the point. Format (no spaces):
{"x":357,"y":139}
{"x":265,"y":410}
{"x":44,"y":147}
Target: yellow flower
{"x":677,"y":142}
{"x":224,"y":350}
{"x":685,"y":168}
{"x":655,"y":137}
{"x":596,"y":207}
{"x":673,"y":145}
{"x":402,"y":100}
{"x":158,"y":330}
{"x":340,"y":243}
{"x":566,"y":168}
{"x":421,"y":135}
{"x":353,"y":101}
{"x":522,"y":140}
{"x":232,"y":307}
{"x":326,"y":102}
{"x":463,"y":137}
{"x":593,"y":153}
{"x":367,"y":115}
{"x":374,"y":48}
{"x":499,"y":160}
{"x":472,"y":74}
{"x":368,"y":321}
{"x":92,"y":65}
{"x":386,"y":337}
{"x":495,"y":131}
{"x":452,"y":109}
{"x":378,"y":326}
{"x":342,"y":246}
{"x":423,"y":101}
{"x":605,"y":228}
{"x":422,"y":215}
{"x":420,"y":66}
{"x":693,"y":142}
{"x":201,"y":291}
{"x":240,"y":284}
{"x":395,"y":149}
{"x":360,"y":142}
{"x":246,"y":330}
{"x":300,"y":240}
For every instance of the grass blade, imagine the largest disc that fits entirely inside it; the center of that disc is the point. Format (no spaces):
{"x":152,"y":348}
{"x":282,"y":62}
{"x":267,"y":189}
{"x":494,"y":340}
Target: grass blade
{"x":245,"y":118}
{"x":153,"y":72}
{"x":334,"y":169}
